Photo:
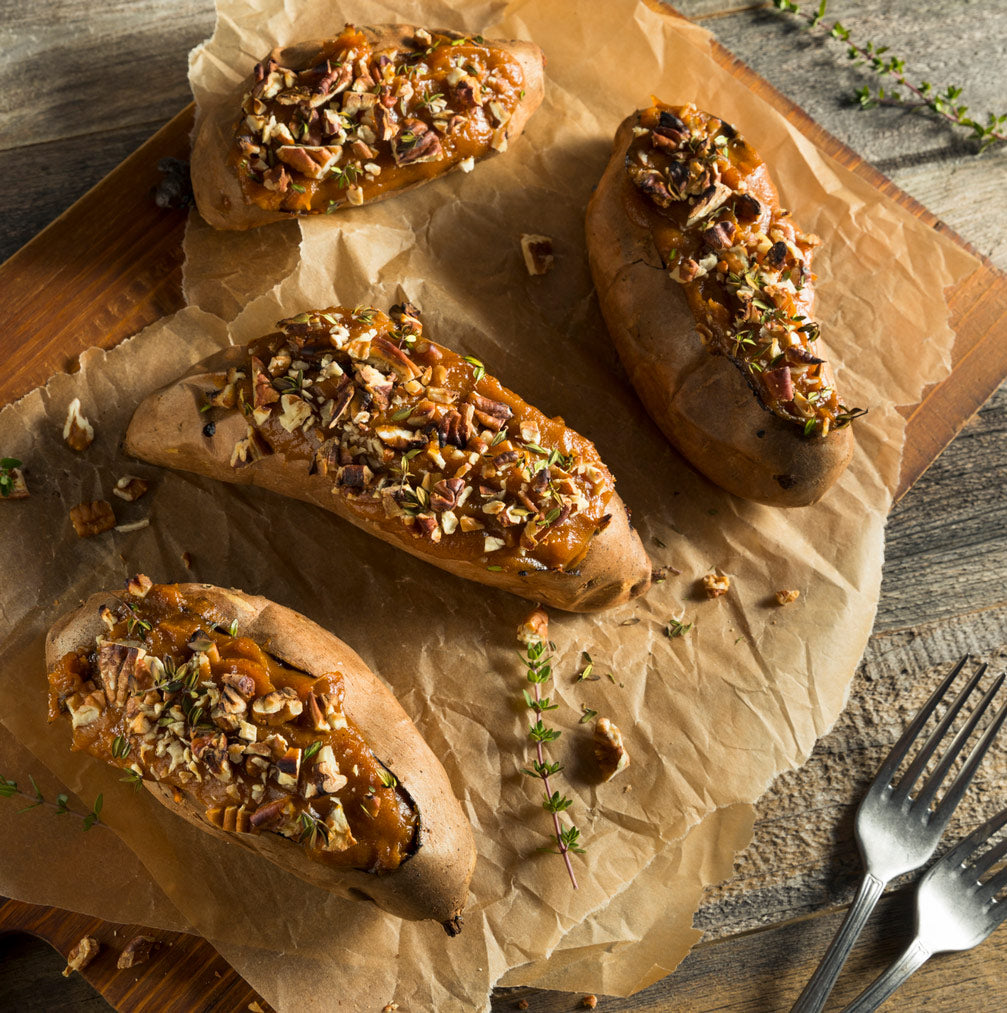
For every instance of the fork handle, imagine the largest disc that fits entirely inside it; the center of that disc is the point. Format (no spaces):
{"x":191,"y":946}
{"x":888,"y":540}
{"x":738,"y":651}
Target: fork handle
{"x":913,"y":957}
{"x":812,"y":999}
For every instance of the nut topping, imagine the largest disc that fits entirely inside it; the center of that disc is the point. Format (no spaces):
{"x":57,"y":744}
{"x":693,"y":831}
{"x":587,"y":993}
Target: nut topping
{"x":137,"y":951}
{"x":81,"y":955}
{"x":715,"y":585}
{"x":537,"y":253}
{"x":92,"y":518}
{"x":278,"y":707}
{"x":77,"y":431}
{"x":130,"y":487}
{"x":609,"y":750}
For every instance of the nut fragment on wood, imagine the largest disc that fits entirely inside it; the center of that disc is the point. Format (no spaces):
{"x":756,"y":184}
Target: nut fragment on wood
{"x":92,"y":518}
{"x":130,"y":487}
{"x":609,"y":751}
{"x":589,"y":1001}
{"x":716,"y":584}
{"x":81,"y":955}
{"x":537,"y":253}
{"x":535,"y":628}
{"x":137,"y":951}
{"x":786,"y":597}
{"x":77,"y":431}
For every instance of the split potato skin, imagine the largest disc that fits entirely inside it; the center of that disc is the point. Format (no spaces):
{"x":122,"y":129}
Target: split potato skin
{"x":701,"y":401}
{"x":215,"y":183}
{"x":432,"y":883}
{"x":167,"y":430}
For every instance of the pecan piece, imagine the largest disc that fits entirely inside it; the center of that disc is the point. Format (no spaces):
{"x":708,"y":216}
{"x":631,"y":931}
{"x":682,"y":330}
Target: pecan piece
{"x":121,"y":668}
{"x":609,"y":750}
{"x":445,"y":494}
{"x":92,"y":518}
{"x":412,"y":146}
{"x":233,"y":818}
{"x":709,"y":200}
{"x":81,"y":955}
{"x":650,"y":183}
{"x":779,"y":384}
{"x":77,"y":431}
{"x":243,"y":685}
{"x":746,"y":208}
{"x":715,"y":584}
{"x":355,"y":476}
{"x":136,"y":951}
{"x":786,"y":597}
{"x":719,"y":236}
{"x":130,"y":487}
{"x":537,"y":253}
{"x":270,"y":814}
{"x":535,"y":628}
{"x":277,"y":707}
{"x":263,"y":391}
{"x":492,"y":414}
{"x":277,"y":179}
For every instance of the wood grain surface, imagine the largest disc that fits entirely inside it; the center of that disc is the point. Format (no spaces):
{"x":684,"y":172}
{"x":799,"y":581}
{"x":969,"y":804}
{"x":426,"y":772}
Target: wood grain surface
{"x":117,"y":71}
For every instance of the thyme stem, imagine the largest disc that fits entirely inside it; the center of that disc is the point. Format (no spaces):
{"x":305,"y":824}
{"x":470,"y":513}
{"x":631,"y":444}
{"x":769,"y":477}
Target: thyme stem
{"x":941,"y":103}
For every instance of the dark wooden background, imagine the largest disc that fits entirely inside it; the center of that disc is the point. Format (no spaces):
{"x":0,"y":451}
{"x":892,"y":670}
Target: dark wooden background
{"x":84,"y":83}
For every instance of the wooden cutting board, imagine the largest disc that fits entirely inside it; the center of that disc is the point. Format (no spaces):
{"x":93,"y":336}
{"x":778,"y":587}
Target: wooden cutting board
{"x":112,"y":264}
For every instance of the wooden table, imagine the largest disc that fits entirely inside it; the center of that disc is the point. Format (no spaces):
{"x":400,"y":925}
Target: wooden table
{"x":86,"y":81}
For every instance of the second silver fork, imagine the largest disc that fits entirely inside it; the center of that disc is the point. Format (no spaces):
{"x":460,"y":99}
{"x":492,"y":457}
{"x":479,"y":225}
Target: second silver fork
{"x":896,"y":832}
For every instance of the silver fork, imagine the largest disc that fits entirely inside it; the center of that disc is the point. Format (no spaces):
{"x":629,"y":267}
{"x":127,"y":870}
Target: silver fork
{"x":896,"y":832}
{"x":955,"y":910}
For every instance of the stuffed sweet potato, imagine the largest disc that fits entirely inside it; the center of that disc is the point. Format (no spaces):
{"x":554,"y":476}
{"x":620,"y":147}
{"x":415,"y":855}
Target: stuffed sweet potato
{"x":331,"y":123}
{"x":707,"y":291}
{"x":359,"y":413}
{"x":259,"y":727}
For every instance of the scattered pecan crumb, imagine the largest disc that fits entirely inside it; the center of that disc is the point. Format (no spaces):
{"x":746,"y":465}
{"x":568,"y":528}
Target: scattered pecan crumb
{"x":522,"y":1004}
{"x":255,"y":1007}
{"x":786,"y":597}
{"x":390,"y":1007}
{"x":81,"y":955}
{"x":187,"y":559}
{"x":77,"y":431}
{"x":92,"y":518}
{"x":133,"y":525}
{"x":139,"y":585}
{"x":537,"y":253}
{"x":130,"y":487}
{"x":136,"y":951}
{"x":589,"y":1001}
{"x":608,"y":749}
{"x":535,"y":627}
{"x":716,"y":584}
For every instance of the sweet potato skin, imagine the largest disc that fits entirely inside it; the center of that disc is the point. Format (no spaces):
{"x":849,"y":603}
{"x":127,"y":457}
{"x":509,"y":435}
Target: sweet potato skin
{"x":216,"y":188}
{"x":433,"y":882}
{"x":700,"y":401}
{"x":167,"y":430}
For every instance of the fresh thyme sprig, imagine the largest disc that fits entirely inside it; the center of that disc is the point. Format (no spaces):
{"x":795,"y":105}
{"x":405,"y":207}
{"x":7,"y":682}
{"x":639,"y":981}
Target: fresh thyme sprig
{"x":8,"y":789}
{"x":924,"y":96}
{"x":539,"y":668}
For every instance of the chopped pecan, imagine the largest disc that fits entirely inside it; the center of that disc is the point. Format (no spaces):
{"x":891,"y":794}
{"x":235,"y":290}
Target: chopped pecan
{"x":537,"y":253}
{"x":779,"y":384}
{"x":263,"y":391}
{"x":243,"y":685}
{"x":387,"y":351}
{"x":122,"y":669}
{"x":277,"y":707}
{"x":81,"y":955}
{"x":746,"y":208}
{"x":720,"y":235}
{"x":277,"y":179}
{"x":786,"y":597}
{"x":270,"y":814}
{"x":468,"y":93}
{"x":288,"y":768}
{"x":85,"y":709}
{"x":427,"y":527}
{"x":492,"y":414}
{"x":609,"y":750}
{"x":333,"y":80}
{"x":535,"y":628}
{"x":776,"y":255}
{"x":709,"y":200}
{"x":136,"y":951}
{"x":355,"y":476}
{"x":325,"y":776}
{"x":337,"y":831}
{"x":411,"y":146}
{"x":313,"y":161}
{"x":650,"y":183}
{"x":138,"y":585}
{"x":799,"y":355}
{"x":92,"y":518}
{"x":130,"y":487}
{"x":385,"y":123}
{"x":715,"y":584}
{"x":77,"y":431}
{"x":445,"y":494}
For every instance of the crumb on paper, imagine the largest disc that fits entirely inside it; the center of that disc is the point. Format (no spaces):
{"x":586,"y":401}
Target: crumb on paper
{"x":136,"y":951}
{"x":589,"y":1001}
{"x":77,"y":430}
{"x":81,"y":955}
{"x":133,"y":525}
{"x":786,"y":597}
{"x":187,"y":559}
{"x":716,"y":584}
{"x":534,"y":628}
{"x":609,"y":750}
{"x":130,"y":487}
{"x":537,"y":253}
{"x":390,"y":1007}
{"x":522,"y":1004}
{"x":255,"y":1007}
{"x":92,"y":518}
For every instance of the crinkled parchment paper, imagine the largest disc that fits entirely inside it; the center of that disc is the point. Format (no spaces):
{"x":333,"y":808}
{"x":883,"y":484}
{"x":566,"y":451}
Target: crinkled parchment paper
{"x":709,"y":718}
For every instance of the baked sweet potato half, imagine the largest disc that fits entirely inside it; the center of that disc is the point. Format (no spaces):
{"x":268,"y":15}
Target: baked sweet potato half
{"x":331,"y":123}
{"x":359,"y":413}
{"x":706,"y":287}
{"x":256,"y":725}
